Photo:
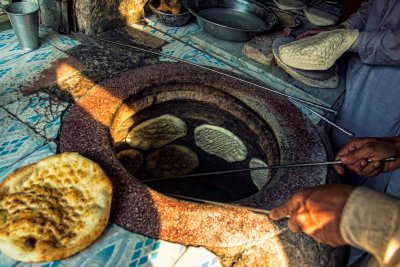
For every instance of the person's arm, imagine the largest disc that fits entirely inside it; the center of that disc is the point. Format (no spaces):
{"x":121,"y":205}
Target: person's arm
{"x":379,"y":47}
{"x":371,"y":221}
{"x":359,"y":18}
{"x":343,"y":215}
{"x":355,"y":155}
{"x":316,"y":211}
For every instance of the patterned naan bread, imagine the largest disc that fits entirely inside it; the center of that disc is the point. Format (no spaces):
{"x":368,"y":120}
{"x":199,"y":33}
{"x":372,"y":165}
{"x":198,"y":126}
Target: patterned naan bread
{"x":156,"y":132}
{"x":220,"y":142}
{"x":172,"y":160}
{"x":132,"y":159}
{"x":54,"y":208}
{"x":318,"y":52}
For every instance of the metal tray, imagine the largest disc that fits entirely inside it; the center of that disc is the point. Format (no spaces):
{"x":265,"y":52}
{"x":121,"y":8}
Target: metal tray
{"x":233,"y":20}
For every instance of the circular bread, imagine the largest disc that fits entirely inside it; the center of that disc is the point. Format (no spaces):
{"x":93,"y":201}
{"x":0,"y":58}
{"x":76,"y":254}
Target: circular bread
{"x":259,"y":177}
{"x":172,"y":160}
{"x":319,"y":17}
{"x":320,"y":79}
{"x":54,"y":208}
{"x":221,"y":142}
{"x":132,"y":159}
{"x":156,"y":132}
{"x":318,"y":52}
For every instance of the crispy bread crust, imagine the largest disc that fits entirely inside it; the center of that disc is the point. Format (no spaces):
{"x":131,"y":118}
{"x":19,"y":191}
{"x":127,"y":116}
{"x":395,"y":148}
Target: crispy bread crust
{"x":53,"y":208}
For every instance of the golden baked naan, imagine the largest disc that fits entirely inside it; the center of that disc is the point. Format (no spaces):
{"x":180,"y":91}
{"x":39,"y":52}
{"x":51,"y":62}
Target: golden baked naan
{"x":220,"y":142}
{"x":172,"y":160}
{"x":131,"y":158}
{"x":259,"y":177}
{"x":156,"y":132}
{"x":54,"y":208}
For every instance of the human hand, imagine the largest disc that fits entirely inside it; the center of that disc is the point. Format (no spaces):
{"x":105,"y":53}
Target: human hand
{"x":355,"y":155}
{"x":316,"y":211}
{"x":319,"y":30}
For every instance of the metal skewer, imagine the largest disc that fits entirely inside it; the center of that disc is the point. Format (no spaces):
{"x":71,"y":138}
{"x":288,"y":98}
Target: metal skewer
{"x":255,"y":169}
{"x":343,"y":130}
{"x":200,"y":200}
{"x":219,"y":72}
{"x":243,"y":170}
{"x":327,"y":109}
{"x":256,"y":210}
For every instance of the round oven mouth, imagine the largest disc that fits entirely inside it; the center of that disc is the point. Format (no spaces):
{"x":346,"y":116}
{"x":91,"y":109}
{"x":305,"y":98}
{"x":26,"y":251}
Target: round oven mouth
{"x":270,"y":126}
{"x":198,"y":105}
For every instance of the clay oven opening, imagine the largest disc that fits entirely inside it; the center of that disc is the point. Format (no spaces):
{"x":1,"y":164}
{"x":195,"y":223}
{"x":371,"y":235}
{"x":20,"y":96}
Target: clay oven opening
{"x":270,"y":127}
{"x":234,"y":137}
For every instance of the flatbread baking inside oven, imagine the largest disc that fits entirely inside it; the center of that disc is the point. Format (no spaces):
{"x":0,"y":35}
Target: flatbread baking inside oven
{"x":156,"y":132}
{"x":318,"y":52}
{"x":172,"y":160}
{"x":259,"y":177}
{"x":54,"y":208}
{"x":220,"y":142}
{"x":132,"y":159}
{"x":319,"y":17}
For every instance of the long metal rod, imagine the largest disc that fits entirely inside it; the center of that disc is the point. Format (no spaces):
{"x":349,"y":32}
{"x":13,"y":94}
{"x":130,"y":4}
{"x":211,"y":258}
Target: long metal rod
{"x":343,"y":130}
{"x":257,"y":169}
{"x":297,"y":100}
{"x":243,"y":170}
{"x":219,"y":72}
{"x":200,"y":200}
{"x":315,"y":105}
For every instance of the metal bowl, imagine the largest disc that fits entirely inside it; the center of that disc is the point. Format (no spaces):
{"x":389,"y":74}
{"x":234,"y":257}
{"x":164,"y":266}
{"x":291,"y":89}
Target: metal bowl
{"x":233,"y":20}
{"x":168,"y":19}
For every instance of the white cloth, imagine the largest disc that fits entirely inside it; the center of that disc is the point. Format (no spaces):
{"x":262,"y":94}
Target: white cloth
{"x":371,"y":221}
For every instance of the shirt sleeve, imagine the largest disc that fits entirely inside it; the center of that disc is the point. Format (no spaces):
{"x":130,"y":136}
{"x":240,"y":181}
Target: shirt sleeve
{"x":371,"y":221}
{"x":378,"y":47}
{"x":359,"y":19}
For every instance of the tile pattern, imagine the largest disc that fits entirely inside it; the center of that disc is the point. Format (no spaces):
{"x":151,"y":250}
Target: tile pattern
{"x":179,"y":50}
{"x":118,"y":247}
{"x":41,"y":111}
{"x":14,"y":62}
{"x":17,"y":141}
{"x":153,"y":27}
{"x":198,"y":257}
{"x":40,"y":153}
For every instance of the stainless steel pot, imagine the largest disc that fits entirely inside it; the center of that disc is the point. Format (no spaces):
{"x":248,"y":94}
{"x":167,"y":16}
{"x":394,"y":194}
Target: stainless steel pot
{"x":233,"y":20}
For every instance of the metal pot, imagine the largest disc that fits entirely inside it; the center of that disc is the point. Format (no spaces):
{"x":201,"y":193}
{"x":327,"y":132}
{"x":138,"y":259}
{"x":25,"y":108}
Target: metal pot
{"x":233,"y":20}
